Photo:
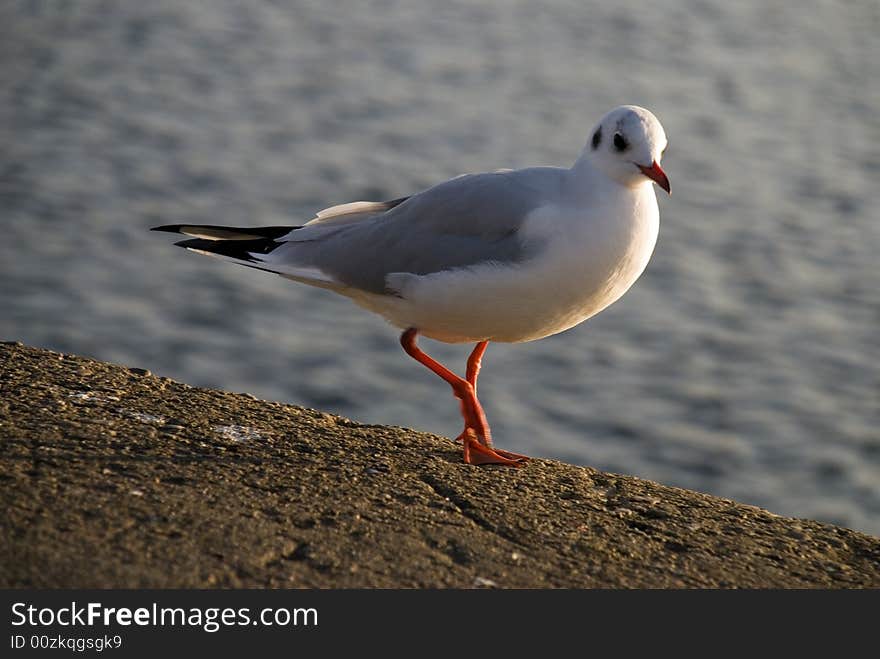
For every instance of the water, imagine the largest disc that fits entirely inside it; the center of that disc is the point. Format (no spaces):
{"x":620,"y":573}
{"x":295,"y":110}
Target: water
{"x":744,"y":362}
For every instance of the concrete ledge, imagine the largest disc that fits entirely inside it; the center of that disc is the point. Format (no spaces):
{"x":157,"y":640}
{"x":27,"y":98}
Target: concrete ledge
{"x":113,"y":478}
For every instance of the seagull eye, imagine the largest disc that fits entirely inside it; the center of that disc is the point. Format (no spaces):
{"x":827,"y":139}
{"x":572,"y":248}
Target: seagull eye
{"x":620,"y":142}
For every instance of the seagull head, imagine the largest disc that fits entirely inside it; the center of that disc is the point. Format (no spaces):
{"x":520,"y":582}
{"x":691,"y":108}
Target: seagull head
{"x":627,"y":145}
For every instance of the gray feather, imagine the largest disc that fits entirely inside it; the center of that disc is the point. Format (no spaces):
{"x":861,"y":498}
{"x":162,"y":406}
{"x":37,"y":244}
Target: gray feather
{"x":465,"y":221}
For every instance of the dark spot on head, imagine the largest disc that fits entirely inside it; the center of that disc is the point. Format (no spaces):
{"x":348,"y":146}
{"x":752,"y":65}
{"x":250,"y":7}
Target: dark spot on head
{"x":597,"y":138}
{"x":620,"y":142}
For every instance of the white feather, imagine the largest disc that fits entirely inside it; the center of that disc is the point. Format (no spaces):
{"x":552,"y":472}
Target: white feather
{"x":350,"y":212}
{"x":306,"y":275}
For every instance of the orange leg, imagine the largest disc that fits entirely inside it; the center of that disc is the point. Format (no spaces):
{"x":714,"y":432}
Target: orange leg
{"x":476,"y":436}
{"x":474,"y":363}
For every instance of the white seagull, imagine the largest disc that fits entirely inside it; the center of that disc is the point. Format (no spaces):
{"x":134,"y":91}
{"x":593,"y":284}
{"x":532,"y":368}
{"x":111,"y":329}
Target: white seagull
{"x":512,"y":255}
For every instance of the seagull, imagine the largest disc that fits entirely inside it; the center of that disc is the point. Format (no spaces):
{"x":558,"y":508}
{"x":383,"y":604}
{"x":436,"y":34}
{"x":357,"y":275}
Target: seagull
{"x":508,"y":256}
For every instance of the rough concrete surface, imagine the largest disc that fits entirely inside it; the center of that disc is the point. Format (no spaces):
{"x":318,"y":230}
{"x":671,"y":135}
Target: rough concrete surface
{"x":111,"y":477}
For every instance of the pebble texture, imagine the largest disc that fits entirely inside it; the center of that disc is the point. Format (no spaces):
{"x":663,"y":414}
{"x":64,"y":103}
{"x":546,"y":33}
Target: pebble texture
{"x":111,"y":477}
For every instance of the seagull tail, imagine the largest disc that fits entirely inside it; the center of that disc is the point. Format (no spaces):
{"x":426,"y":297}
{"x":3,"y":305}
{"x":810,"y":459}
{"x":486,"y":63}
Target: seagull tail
{"x":242,"y":244}
{"x":213,"y":232}
{"x":247,"y":246}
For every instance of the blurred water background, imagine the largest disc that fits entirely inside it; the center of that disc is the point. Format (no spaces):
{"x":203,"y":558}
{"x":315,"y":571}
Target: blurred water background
{"x":744,"y":362}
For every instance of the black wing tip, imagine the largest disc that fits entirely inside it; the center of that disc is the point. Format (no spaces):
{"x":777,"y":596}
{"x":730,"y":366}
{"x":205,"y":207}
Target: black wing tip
{"x":241,"y":250}
{"x":252,"y":233}
{"x":170,"y":228}
{"x":212,"y":246}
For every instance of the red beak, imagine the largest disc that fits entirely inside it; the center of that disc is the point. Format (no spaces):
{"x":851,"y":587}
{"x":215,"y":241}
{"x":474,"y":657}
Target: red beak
{"x":657,"y":175}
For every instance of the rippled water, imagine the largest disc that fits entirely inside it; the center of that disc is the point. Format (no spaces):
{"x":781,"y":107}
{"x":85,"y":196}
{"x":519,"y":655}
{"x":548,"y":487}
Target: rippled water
{"x":744,"y":362}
